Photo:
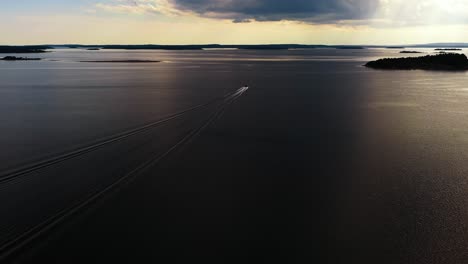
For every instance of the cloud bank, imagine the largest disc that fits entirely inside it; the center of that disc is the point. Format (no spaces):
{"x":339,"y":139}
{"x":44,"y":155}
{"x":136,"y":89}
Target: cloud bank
{"x":317,"y":11}
{"x":369,"y":12}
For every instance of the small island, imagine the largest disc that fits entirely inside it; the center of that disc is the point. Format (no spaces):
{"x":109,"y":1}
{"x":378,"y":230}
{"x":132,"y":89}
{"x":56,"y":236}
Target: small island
{"x":93,"y":49}
{"x":444,"y":62}
{"x":13,"y":58}
{"x":410,"y":51}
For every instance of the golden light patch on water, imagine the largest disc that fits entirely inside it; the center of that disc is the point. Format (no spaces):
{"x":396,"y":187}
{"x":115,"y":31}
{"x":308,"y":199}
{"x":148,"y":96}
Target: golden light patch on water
{"x":376,"y":105}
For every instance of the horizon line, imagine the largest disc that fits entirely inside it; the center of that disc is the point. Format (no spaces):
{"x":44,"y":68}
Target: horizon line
{"x":256,"y":44}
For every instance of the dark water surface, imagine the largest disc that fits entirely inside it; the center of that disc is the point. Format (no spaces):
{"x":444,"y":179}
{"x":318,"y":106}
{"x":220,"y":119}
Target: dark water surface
{"x":320,"y":158}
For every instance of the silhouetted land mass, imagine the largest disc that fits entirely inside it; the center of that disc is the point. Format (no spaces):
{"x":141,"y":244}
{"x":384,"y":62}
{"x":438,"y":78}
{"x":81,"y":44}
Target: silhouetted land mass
{"x":13,"y":58}
{"x":409,"y":51}
{"x":449,"y":49}
{"x":123,"y":61}
{"x":212,"y":46}
{"x":94,"y":49}
{"x":24,"y":49}
{"x":349,"y":47}
{"x":448,"y":62}
{"x":159,"y":47}
{"x":253,"y":47}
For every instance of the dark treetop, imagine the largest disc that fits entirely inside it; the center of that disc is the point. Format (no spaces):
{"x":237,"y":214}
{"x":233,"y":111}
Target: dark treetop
{"x":448,"y":61}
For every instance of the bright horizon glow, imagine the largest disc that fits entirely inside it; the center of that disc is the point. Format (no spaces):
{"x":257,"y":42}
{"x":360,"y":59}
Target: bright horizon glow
{"x":392,"y":22}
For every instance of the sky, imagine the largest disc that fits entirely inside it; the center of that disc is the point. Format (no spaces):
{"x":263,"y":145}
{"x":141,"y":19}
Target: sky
{"x":380,"y":22}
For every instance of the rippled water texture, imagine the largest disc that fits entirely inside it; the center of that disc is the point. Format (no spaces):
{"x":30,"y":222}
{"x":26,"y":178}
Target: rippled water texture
{"x":389,"y":147}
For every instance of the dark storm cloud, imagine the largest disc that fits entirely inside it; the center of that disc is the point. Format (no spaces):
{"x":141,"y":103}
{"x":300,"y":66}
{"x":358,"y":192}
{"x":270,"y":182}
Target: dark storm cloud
{"x":317,"y":11}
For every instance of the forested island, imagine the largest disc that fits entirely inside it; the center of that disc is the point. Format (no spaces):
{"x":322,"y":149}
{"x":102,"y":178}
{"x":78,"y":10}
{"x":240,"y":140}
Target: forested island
{"x":13,"y":58}
{"x":447,"y":62}
{"x":24,"y":49}
{"x":409,"y":51}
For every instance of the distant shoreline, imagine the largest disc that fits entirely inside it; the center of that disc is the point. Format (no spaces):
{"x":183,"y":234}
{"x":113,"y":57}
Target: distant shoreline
{"x":208,"y":47}
{"x":122,"y":61}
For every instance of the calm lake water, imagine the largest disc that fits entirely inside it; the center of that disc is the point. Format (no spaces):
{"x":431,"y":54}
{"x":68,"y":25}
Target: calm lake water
{"x":394,"y":143}
{"x":60,"y":101}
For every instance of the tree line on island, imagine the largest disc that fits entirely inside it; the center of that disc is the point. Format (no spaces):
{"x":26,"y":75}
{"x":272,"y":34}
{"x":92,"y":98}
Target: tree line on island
{"x":446,"y":61}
